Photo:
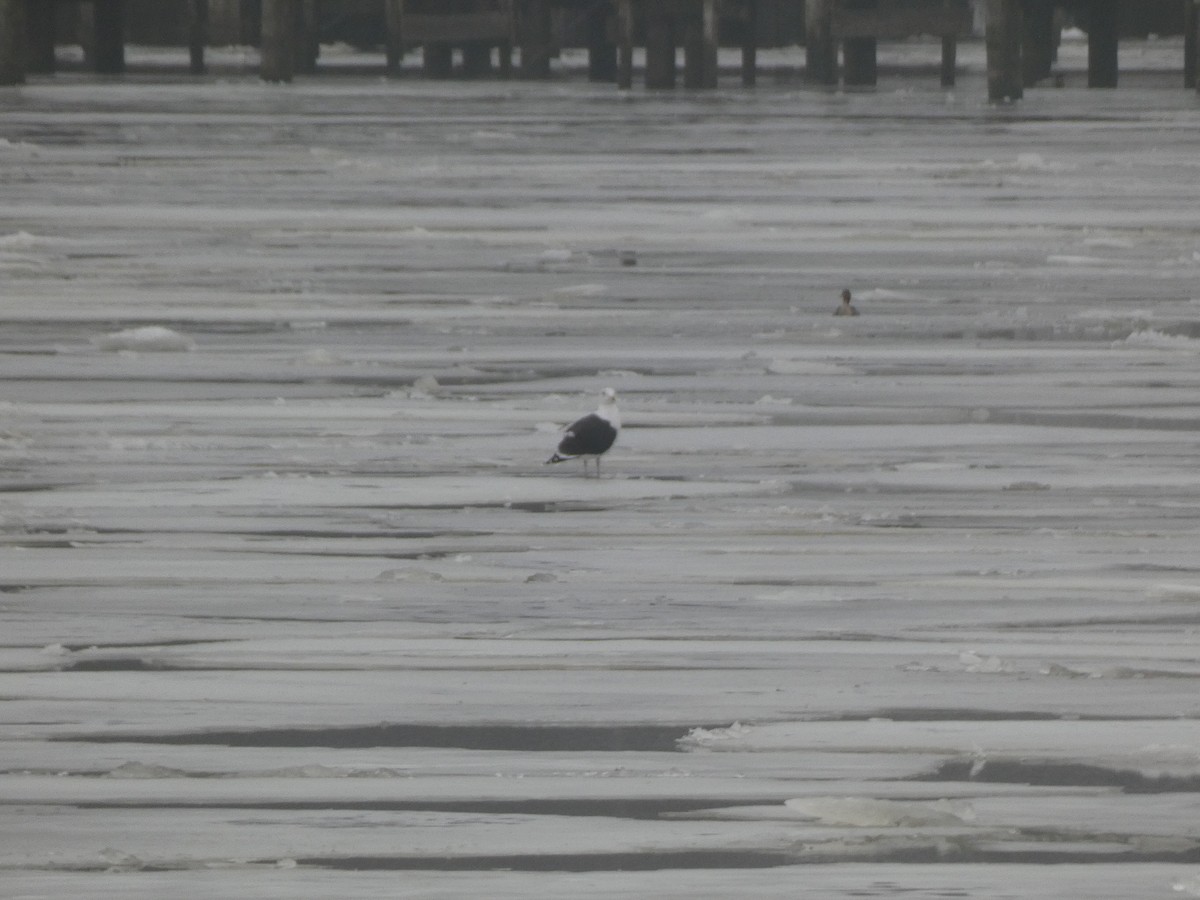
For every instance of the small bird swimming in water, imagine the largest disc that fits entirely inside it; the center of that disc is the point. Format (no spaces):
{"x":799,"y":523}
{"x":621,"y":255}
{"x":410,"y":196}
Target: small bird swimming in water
{"x":847,"y":308}
{"x":590,"y":437}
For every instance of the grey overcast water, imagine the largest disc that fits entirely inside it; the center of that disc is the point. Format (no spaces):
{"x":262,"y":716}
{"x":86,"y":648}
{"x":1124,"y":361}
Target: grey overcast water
{"x":900,"y":605}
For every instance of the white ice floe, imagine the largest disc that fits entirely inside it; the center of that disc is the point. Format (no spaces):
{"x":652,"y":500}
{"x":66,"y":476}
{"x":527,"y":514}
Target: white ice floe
{"x":1150,"y":337}
{"x":868,"y":812}
{"x":145,"y":339}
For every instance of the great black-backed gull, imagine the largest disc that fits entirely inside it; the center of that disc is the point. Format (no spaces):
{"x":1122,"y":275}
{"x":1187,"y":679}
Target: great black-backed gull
{"x":590,"y":437}
{"x":847,"y":308}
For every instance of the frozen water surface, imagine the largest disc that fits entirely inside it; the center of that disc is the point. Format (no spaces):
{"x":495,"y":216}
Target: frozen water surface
{"x":900,"y":605}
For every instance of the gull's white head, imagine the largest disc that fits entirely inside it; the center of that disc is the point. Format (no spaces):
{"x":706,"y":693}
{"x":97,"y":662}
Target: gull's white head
{"x":608,"y":408}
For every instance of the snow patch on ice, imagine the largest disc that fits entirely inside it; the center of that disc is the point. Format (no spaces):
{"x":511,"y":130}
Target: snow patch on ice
{"x":19,"y":240}
{"x":1152,"y":338}
{"x":803,"y":367}
{"x":1023,"y":163}
{"x":1075,"y":259}
{"x":1176,"y":592}
{"x":581,"y":290}
{"x":146,"y":339}
{"x":976,"y":663}
{"x":1112,"y":243}
{"x":707,"y":737}
{"x":868,"y":812}
{"x":145,"y":770}
{"x":18,"y":148}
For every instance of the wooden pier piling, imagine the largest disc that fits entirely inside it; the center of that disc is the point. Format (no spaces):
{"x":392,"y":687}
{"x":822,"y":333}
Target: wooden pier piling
{"x":602,"y":51}
{"x":536,"y":38}
{"x":1102,"y":44}
{"x":1191,"y":44}
{"x":1038,"y":40}
{"x":197,"y":28}
{"x":108,"y":36}
{"x":660,"y":47}
{"x":1004,"y":32}
{"x":749,"y":29}
{"x":278,"y":40}
{"x":700,"y":45}
{"x":40,"y":22}
{"x":394,"y":41}
{"x":12,"y":42}
{"x":949,"y":68}
{"x":624,"y":44}
{"x":859,"y":54}
{"x":820,"y":51}
{"x":307,"y":36}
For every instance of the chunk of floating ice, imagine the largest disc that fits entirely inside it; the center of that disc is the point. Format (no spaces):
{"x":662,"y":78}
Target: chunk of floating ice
{"x":1150,"y":338}
{"x":425,"y":384}
{"x":1068,"y":259}
{"x":144,"y":770}
{"x":1189,"y":592}
{"x":704,"y":737}
{"x":20,"y":240}
{"x":976,"y":663}
{"x":119,"y":860}
{"x":868,"y":812}
{"x":1026,"y":486}
{"x":148,"y":338}
{"x":319,"y":356}
{"x":580,"y":290}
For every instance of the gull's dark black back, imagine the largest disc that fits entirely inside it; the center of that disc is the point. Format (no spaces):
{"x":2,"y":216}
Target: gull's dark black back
{"x":588,"y":436}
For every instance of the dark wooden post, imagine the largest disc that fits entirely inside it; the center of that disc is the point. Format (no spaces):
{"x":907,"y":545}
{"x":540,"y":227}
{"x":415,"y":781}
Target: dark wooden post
{"x":437,"y":60}
{"x":949,"y":59}
{"x":505,"y":54}
{"x":859,"y":61}
{"x":602,"y":52}
{"x":197,"y":35}
{"x":712,"y":42}
{"x":109,"y":35}
{"x":12,"y":42}
{"x":1191,"y":38}
{"x":536,"y":37}
{"x":308,"y":38}
{"x":1037,"y":53}
{"x":394,"y":44}
{"x":693,"y":48}
{"x":1102,"y":44}
{"x":40,"y":21}
{"x":749,"y":43}
{"x":278,"y":40}
{"x":477,"y":59}
{"x":859,"y":53}
{"x":700,"y":45}
{"x":660,"y":47}
{"x":625,"y":44}
{"x":250,"y":31}
{"x":1004,"y":50}
{"x":820,"y":51}
{"x":949,"y":50}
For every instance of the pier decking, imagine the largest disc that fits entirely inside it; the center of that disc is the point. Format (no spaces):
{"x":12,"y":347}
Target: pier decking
{"x":1021,"y":36}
